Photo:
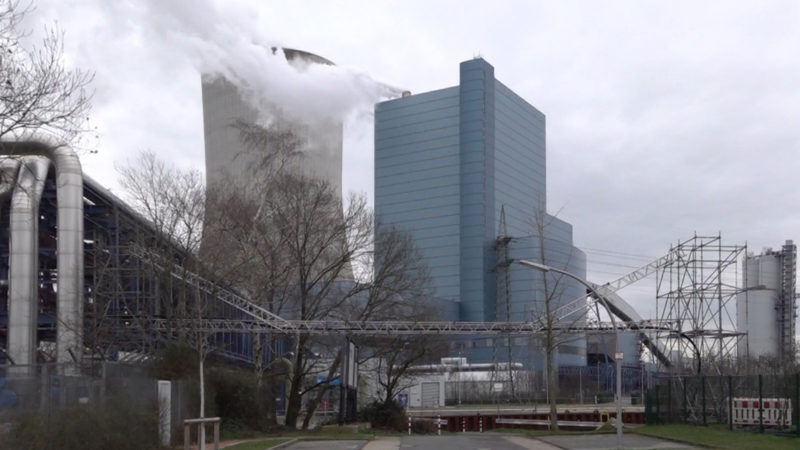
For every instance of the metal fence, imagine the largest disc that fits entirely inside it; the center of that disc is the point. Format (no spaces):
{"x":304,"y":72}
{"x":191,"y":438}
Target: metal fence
{"x":575,"y":385}
{"x":769,"y":401}
{"x":45,"y":388}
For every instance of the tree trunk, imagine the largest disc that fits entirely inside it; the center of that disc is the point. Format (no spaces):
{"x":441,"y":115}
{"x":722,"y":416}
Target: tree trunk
{"x":268,"y":393}
{"x":294,"y":402}
{"x":202,"y":443}
{"x":312,"y":405}
{"x":551,"y":389}
{"x":264,"y":388}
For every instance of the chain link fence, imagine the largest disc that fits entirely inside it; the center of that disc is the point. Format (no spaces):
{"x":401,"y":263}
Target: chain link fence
{"x":43,"y":389}
{"x":738,"y":401}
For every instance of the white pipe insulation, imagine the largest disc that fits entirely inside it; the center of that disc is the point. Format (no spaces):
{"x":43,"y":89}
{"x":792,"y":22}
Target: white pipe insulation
{"x":8,"y":176}
{"x":69,"y":192}
{"x":23,"y":283}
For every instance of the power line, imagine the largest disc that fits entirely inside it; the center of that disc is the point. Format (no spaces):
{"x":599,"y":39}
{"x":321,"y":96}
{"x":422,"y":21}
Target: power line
{"x":616,"y":253}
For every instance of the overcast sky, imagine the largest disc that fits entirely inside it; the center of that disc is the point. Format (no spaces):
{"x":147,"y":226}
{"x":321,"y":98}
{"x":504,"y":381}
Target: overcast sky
{"x":663,"y":118}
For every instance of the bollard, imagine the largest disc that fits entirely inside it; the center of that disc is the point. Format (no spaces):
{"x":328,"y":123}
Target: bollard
{"x":730,"y":403}
{"x":439,"y":425}
{"x":760,"y":404}
{"x":409,"y":425}
{"x":480,"y":424}
{"x":797,"y":405}
{"x":705,"y":418}
{"x":463,"y":424}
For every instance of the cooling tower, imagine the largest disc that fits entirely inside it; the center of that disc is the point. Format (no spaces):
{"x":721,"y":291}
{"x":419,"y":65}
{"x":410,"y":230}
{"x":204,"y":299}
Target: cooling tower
{"x":225,"y":110}
{"x":233,"y":160}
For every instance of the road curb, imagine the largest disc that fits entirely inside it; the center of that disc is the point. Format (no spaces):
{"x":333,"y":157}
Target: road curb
{"x":285,"y":444}
{"x":536,"y":438}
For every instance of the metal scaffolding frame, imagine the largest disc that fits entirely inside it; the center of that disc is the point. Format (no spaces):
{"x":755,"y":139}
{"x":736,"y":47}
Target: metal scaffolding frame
{"x":696,"y":288}
{"x":787,"y":307}
{"x":378,"y":328}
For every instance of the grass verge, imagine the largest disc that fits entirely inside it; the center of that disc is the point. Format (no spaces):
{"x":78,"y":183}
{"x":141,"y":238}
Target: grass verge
{"x":718,"y":436}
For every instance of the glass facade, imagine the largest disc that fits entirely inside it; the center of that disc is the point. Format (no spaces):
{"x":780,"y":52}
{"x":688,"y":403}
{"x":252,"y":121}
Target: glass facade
{"x":460,"y":167}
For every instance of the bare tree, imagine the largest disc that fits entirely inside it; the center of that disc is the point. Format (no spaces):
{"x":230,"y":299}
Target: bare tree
{"x":300,"y":247}
{"x":38,"y":94}
{"x":394,"y":360}
{"x":317,"y":243}
{"x":173,"y":201}
{"x":399,"y":288}
{"x":545,"y":313}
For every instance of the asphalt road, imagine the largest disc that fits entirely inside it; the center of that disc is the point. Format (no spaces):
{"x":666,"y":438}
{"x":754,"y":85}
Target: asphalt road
{"x":609,"y":441}
{"x":491,"y":441}
{"x":326,"y":445}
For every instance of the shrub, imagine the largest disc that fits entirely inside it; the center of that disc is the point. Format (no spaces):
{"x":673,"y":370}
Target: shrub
{"x":385,"y":416}
{"x":423,"y":426}
{"x":120,"y":425}
{"x":237,"y":399}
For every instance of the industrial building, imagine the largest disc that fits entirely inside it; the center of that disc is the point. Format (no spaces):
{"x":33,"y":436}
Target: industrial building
{"x":462,"y":169}
{"x":75,"y":285}
{"x":767,"y":310}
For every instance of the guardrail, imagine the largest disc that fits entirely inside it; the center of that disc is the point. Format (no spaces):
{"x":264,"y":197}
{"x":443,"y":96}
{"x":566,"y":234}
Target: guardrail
{"x":201,"y":424}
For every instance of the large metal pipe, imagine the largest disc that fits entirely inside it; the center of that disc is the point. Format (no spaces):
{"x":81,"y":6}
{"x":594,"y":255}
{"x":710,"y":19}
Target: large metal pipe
{"x":23,"y":286}
{"x":69,"y":191}
{"x":8,"y":176}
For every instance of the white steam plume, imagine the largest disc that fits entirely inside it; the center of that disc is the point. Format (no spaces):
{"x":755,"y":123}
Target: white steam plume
{"x":227,"y":42}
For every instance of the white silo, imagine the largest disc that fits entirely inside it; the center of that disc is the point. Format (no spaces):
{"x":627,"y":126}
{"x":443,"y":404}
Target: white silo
{"x":765,"y":308}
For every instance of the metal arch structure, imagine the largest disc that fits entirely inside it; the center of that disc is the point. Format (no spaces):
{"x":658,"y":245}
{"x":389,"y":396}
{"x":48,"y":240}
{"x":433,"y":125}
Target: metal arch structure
{"x":696,"y":286}
{"x":620,"y":308}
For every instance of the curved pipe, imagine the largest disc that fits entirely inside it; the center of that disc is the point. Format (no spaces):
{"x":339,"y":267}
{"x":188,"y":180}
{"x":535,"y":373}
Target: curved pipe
{"x":69,"y":191}
{"x":8,"y":174}
{"x":23,"y":289}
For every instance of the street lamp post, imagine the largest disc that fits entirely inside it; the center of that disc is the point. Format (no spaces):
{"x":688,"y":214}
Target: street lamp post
{"x":617,"y":354}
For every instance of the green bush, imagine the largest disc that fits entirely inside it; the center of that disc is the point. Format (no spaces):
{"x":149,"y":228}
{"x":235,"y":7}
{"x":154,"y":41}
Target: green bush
{"x":237,"y":399}
{"x":385,"y":416}
{"x":119,"y":425}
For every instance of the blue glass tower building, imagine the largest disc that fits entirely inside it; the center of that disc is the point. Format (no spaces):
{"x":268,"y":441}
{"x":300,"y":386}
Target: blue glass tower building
{"x":463,"y":170}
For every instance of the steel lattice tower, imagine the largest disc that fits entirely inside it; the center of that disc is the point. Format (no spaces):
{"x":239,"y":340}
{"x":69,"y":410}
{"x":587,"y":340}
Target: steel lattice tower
{"x":696,"y":288}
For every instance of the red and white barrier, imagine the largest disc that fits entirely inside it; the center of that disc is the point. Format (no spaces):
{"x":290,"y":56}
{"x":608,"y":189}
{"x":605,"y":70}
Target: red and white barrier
{"x":776,"y":411}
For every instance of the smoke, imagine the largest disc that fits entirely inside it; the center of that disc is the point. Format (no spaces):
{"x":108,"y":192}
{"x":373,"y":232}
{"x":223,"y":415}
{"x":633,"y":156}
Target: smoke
{"x":227,"y":42}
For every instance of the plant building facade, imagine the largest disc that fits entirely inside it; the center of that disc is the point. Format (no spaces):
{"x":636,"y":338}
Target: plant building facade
{"x":463,"y":170}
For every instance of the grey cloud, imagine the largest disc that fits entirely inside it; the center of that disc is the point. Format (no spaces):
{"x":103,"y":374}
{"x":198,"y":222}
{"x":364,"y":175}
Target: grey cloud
{"x":663,"y":118}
